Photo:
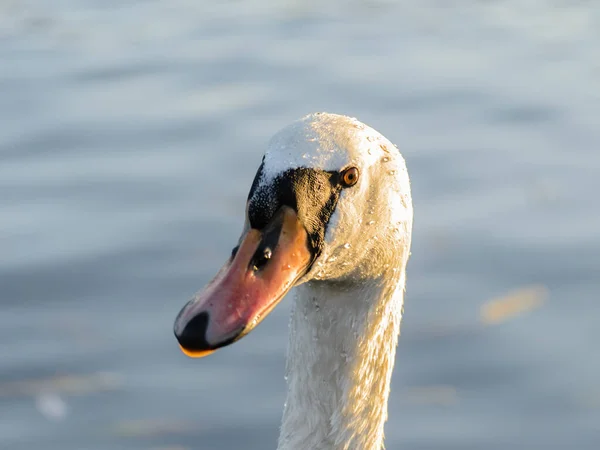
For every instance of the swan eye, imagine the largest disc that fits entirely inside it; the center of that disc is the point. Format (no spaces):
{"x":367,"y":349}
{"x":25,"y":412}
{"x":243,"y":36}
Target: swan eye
{"x":349,"y":177}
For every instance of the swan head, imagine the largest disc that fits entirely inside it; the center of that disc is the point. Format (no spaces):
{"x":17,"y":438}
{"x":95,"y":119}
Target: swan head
{"x":330,"y":203}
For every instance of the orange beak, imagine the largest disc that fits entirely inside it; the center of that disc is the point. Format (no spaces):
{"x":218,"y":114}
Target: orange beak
{"x":265,"y":267}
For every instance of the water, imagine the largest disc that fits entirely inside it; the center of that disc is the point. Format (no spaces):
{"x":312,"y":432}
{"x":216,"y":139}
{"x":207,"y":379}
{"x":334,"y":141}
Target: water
{"x":129,"y":136}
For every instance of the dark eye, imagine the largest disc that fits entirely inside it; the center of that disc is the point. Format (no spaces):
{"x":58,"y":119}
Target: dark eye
{"x":349,"y":176}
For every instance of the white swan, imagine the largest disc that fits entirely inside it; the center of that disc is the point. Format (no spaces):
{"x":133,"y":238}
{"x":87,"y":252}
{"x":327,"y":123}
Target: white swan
{"x":330,"y":214}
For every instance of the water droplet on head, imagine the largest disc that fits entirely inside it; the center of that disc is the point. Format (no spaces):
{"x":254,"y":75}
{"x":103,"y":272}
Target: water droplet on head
{"x":347,"y":245}
{"x":392,"y":172}
{"x":370,"y":222}
{"x":385,"y":159}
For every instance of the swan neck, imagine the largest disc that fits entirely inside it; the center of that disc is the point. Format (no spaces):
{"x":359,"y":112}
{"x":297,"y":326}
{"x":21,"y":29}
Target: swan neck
{"x":340,"y":359}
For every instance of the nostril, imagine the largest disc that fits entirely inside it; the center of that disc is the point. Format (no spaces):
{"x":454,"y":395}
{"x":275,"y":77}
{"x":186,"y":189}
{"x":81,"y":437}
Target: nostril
{"x":261,"y":258}
{"x":193,"y":335}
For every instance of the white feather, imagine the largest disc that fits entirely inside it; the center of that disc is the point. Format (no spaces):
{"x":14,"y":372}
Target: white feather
{"x":347,"y":310}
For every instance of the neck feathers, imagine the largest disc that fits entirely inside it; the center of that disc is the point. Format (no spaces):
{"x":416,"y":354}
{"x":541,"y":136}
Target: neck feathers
{"x":341,"y":355}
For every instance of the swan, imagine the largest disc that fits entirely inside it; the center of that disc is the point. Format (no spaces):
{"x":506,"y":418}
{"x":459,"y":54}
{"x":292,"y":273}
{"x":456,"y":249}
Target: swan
{"x":329,"y":214}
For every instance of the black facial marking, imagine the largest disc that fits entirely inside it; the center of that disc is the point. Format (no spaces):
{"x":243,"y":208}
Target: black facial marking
{"x":312,"y":193}
{"x":257,"y":178}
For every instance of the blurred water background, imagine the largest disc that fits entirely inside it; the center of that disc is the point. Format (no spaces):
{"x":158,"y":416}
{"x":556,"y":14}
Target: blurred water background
{"x":130,"y":132}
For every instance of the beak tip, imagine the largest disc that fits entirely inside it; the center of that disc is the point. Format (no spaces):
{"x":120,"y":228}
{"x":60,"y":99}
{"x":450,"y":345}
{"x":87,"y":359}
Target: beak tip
{"x":191,"y":335}
{"x":195,"y":354}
